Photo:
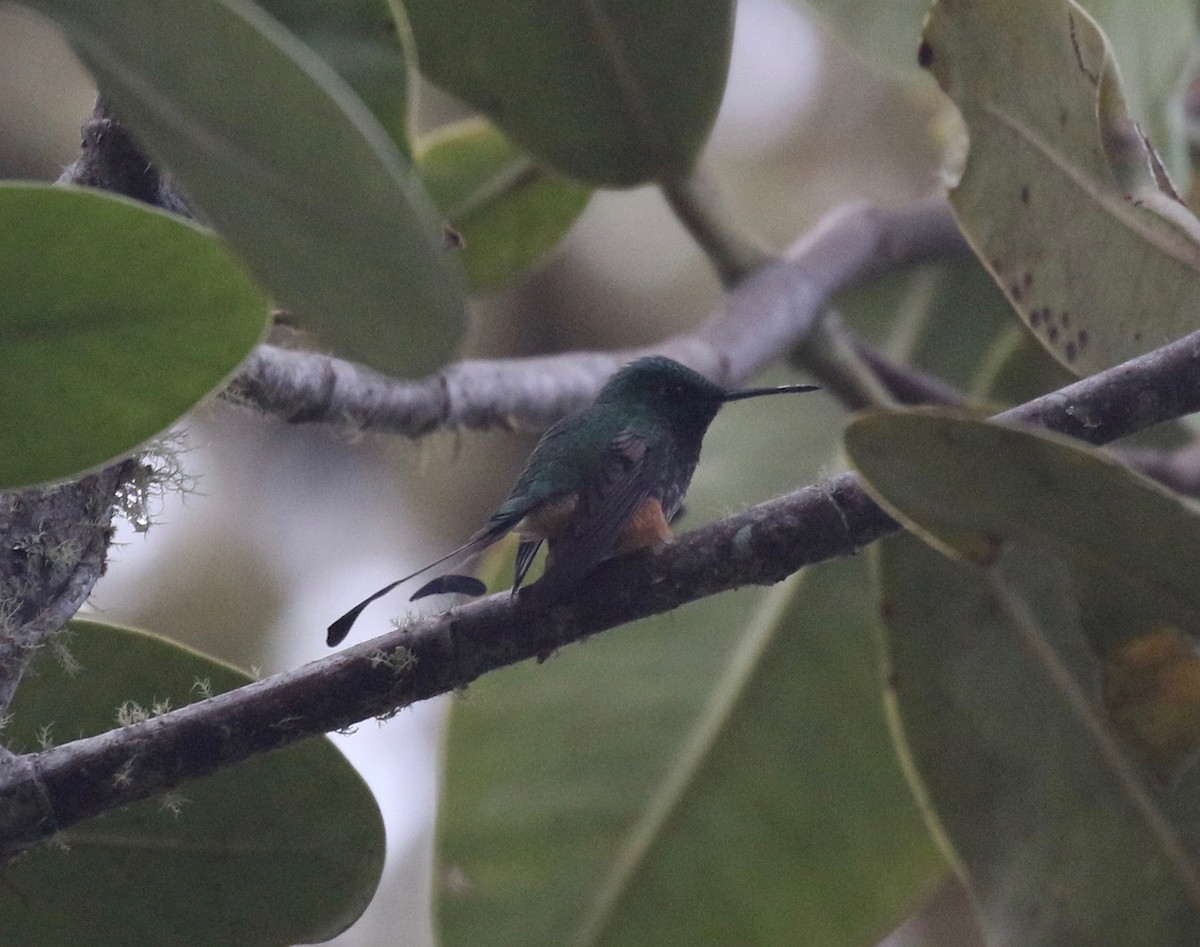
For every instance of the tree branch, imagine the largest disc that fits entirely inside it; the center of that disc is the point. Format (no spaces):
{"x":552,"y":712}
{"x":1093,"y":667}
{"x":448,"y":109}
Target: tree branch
{"x":54,"y":541}
{"x":53,"y":546}
{"x":48,"y":791}
{"x":763,"y":316}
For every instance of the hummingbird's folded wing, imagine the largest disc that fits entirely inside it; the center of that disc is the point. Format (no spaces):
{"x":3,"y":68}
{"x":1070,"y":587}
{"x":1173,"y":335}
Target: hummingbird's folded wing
{"x":626,"y":478}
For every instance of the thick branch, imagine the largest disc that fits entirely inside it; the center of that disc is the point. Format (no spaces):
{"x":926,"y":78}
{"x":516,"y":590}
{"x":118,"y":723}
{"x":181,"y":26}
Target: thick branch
{"x":764,"y":316}
{"x":53,"y":545}
{"x":48,"y":791}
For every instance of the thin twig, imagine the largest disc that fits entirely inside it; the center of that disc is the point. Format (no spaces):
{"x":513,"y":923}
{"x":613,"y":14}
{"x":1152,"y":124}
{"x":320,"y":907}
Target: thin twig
{"x":733,"y":255}
{"x":830,"y":354}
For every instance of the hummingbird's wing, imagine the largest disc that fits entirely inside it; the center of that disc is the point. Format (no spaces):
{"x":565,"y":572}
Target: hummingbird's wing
{"x":627,"y":477}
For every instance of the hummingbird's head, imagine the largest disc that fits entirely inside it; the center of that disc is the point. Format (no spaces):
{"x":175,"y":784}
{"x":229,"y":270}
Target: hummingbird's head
{"x":664,"y":389}
{"x":661,"y":389}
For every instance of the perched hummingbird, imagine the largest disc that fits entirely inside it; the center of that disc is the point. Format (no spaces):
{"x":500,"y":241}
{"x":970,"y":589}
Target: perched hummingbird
{"x":600,"y":483}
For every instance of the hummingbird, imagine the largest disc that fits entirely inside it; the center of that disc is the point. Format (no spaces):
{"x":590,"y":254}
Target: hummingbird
{"x":600,"y":483}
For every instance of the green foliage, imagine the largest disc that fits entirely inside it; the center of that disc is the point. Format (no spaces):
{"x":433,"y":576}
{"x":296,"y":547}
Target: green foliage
{"x":613,"y":94}
{"x":969,"y":485}
{"x":116,"y":320}
{"x":1058,"y":194}
{"x":1099,"y":591}
{"x":725,"y":774}
{"x":364,"y":45}
{"x":281,"y":849}
{"x":1061,"y":840}
{"x":510,"y":212}
{"x":287,"y":164}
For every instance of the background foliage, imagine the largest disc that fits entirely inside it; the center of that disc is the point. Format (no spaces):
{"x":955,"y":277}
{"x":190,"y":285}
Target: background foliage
{"x":801,"y":764}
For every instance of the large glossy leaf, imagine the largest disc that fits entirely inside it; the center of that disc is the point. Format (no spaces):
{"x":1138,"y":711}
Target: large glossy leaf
{"x":970,"y":484}
{"x":115,"y":319}
{"x":510,"y":212}
{"x":283,"y":849}
{"x":1131,"y":548}
{"x":364,"y":45}
{"x":1055,"y":830}
{"x":1097,"y":276}
{"x":613,"y":92}
{"x":1151,"y":41}
{"x":286,"y":163}
{"x":717,"y":775}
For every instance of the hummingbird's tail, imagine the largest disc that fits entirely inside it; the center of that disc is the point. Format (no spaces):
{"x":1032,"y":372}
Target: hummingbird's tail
{"x":485,"y":537}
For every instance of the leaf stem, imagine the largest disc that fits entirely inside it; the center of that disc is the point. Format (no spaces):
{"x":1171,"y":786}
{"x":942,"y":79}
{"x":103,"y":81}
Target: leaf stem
{"x":733,"y":253}
{"x":830,"y":354}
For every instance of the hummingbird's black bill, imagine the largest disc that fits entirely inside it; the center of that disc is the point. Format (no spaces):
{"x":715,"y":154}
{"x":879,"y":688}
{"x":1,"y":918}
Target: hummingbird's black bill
{"x":744,"y":393}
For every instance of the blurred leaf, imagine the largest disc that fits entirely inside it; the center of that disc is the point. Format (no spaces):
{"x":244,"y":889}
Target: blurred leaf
{"x":1131,"y":546}
{"x":943,"y":318}
{"x":115,"y":319}
{"x":287,"y":164}
{"x":696,"y":777}
{"x":1017,"y":369}
{"x":364,"y":45}
{"x":1099,"y":278}
{"x":1060,"y":840}
{"x":970,"y":484}
{"x":885,"y":32}
{"x":510,"y":212}
{"x":613,"y":94}
{"x":280,"y":849}
{"x":1151,"y":42}
{"x":1152,"y":695}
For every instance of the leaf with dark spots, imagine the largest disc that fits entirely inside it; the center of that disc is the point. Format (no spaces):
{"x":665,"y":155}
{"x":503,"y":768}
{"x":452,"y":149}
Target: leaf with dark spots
{"x":1073,"y":230}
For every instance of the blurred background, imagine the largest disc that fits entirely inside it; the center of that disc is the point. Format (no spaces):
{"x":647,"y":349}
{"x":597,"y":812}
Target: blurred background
{"x":281,"y":528}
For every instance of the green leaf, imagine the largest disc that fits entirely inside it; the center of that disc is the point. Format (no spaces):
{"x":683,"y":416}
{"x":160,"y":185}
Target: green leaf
{"x":615,"y":93}
{"x":1058,"y":836}
{"x":718,"y":775}
{"x":364,"y":45}
{"x":1017,"y":369}
{"x":969,"y":485}
{"x":288,"y":165}
{"x":1097,"y":276}
{"x":1151,"y":42}
{"x":115,"y":319}
{"x":281,"y":849}
{"x":1132,"y":548}
{"x":510,"y":212}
